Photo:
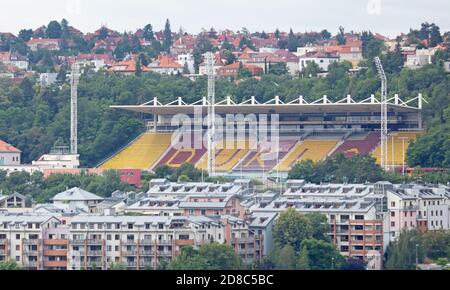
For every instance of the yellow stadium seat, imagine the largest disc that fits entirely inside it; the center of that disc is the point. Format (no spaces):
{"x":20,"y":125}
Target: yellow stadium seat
{"x":227,"y":158}
{"x":141,"y":154}
{"x":314,"y":150}
{"x":396,"y":154}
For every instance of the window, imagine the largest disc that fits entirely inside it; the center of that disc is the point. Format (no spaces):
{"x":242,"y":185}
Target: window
{"x":392,"y":203}
{"x":17,"y":236}
{"x":130,"y":226}
{"x":392,"y":224}
{"x":17,"y":247}
{"x":117,"y":237}
{"x":392,"y":214}
{"x":17,"y":258}
{"x":108,"y":237}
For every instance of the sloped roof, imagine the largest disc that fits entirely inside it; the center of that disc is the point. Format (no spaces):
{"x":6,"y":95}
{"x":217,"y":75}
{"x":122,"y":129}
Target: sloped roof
{"x":76,"y":194}
{"x":8,"y":148}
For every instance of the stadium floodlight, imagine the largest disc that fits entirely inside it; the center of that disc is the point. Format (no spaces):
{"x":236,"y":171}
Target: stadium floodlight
{"x":209,"y":60}
{"x":74,"y":79}
{"x":384,"y":119}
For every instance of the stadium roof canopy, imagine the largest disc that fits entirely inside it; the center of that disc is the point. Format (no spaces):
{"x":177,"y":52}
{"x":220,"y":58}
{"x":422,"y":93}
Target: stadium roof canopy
{"x":299,"y":105}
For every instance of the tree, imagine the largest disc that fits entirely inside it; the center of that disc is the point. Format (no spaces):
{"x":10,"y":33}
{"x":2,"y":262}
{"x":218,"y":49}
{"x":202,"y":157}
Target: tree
{"x":292,"y":228}
{"x":220,"y":257}
{"x":117,"y":266}
{"x":148,"y":33}
{"x":26,"y":34}
{"x":293,"y":42}
{"x":437,"y":244}
{"x":9,"y":265}
{"x":163,"y":171}
{"x":401,"y":254}
{"x":278,"y":68}
{"x":371,"y":46}
{"x":54,"y":30}
{"x":285,"y":259}
{"x":103,"y":33}
{"x":229,"y":57}
{"x":188,"y":259}
{"x":277,"y":33}
{"x":303,"y":260}
{"x":167,"y":41}
{"x":311,"y":69}
{"x":322,"y":255}
{"x":340,"y":38}
{"x":319,"y":225}
{"x":212,"y":256}
{"x":354,"y":264}
{"x":325,"y":34}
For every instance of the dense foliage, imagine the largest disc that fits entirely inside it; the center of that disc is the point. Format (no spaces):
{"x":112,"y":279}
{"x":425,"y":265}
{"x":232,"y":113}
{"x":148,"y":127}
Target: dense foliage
{"x":301,"y":242}
{"x":414,"y":246}
{"x":211,"y":256}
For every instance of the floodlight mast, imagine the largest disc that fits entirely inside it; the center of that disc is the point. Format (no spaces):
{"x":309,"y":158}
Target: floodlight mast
{"x":384,"y":119}
{"x":211,"y":99}
{"x":74,"y":80}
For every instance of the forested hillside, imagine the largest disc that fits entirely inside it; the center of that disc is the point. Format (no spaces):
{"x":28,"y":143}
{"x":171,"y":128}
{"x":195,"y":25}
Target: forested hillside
{"x":35,"y":118}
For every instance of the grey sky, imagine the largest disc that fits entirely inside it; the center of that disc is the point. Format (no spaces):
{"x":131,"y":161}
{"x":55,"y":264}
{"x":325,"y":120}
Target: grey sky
{"x":389,"y":17}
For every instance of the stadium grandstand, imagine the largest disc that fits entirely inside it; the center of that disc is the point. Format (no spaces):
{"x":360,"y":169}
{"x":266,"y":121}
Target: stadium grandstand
{"x":306,"y":130}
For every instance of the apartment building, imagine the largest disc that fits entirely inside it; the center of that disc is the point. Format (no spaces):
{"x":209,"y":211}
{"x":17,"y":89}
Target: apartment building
{"x":140,"y":242}
{"x":417,"y":206}
{"x":35,"y":242}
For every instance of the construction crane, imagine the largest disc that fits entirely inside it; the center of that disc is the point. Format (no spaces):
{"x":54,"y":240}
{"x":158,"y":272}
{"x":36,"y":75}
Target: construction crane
{"x":211,"y":98}
{"x":384,"y":119}
{"x":74,"y":79}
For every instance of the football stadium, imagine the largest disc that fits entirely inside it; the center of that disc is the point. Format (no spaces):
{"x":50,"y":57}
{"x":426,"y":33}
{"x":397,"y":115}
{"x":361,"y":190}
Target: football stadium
{"x":305,"y":130}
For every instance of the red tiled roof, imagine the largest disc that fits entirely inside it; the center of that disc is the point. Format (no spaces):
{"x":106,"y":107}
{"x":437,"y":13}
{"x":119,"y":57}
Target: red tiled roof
{"x":165,"y":61}
{"x":5,"y":147}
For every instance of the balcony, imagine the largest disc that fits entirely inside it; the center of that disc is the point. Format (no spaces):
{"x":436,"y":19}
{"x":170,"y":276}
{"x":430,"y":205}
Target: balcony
{"x":32,"y":242}
{"x":77,"y":242}
{"x":129,"y":242}
{"x":131,"y":264}
{"x":95,"y":253}
{"x":56,"y":242}
{"x":2,"y":241}
{"x":55,"y":264}
{"x":94,"y":242}
{"x":184,"y":242}
{"x":410,"y":208}
{"x":32,"y":264}
{"x":29,"y":252}
{"x":146,"y":253}
{"x":129,"y":253}
{"x":147,"y":242}
{"x":55,"y":252}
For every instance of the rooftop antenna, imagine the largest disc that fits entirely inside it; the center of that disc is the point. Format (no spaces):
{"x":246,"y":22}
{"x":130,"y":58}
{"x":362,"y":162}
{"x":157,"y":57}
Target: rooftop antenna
{"x":384,"y":120}
{"x":209,"y":57}
{"x":74,"y":80}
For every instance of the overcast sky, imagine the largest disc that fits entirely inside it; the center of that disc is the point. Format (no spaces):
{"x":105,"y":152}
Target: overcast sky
{"x":389,"y":17}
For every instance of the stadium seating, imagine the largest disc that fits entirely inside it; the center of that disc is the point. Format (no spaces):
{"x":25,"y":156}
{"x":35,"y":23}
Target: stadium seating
{"x":227,"y":158}
{"x":365,"y":146}
{"x":314,"y":150}
{"x":265,"y":158}
{"x":177,"y":157}
{"x":395,"y":156}
{"x":141,"y":154}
